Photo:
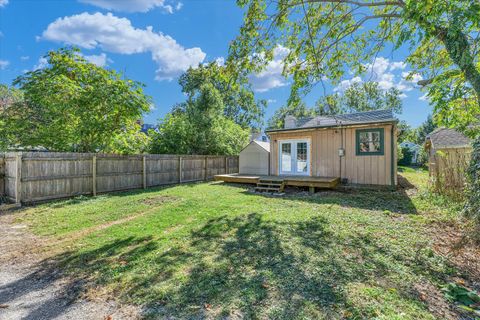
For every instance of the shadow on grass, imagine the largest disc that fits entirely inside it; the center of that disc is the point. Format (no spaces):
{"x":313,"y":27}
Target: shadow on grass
{"x":240,"y":266}
{"x":397,"y":201}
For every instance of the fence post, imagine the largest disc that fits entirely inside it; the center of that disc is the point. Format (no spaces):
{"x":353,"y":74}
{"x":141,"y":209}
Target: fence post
{"x":94,"y":175}
{"x":144,"y":172}
{"x":206,"y":168}
{"x":226,"y":164}
{"x":179,"y":169}
{"x":18,"y":179}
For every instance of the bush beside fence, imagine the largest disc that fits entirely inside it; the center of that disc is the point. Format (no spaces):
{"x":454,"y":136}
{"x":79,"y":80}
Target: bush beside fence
{"x":39,"y":176}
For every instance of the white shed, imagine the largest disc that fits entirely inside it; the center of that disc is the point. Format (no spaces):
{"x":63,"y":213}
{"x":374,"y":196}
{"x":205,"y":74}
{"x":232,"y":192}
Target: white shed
{"x":255,"y":158}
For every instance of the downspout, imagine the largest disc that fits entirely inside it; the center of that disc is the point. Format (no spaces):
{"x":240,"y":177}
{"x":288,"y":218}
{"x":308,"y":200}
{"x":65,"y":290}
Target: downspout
{"x":341,"y":146}
{"x":392,"y":155}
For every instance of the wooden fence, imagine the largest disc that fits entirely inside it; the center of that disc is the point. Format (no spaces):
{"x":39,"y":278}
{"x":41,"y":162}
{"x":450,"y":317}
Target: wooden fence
{"x":38,"y":176}
{"x":447,"y":168}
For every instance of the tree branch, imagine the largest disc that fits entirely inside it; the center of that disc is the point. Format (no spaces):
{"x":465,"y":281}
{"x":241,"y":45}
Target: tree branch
{"x":357,"y":3}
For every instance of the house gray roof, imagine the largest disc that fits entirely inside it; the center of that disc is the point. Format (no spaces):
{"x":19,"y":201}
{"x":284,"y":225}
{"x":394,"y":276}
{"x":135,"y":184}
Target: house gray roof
{"x":448,"y":138}
{"x":376,"y":116}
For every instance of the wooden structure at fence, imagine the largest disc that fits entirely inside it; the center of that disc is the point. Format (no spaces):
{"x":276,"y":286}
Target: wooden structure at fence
{"x":38,"y":176}
{"x":447,"y":169}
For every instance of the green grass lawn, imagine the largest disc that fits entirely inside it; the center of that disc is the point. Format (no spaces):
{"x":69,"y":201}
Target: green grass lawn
{"x":214,"y":250}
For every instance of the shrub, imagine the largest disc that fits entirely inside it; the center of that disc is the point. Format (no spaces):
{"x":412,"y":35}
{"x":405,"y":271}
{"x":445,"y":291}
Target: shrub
{"x":406,"y":160}
{"x":422,"y":158}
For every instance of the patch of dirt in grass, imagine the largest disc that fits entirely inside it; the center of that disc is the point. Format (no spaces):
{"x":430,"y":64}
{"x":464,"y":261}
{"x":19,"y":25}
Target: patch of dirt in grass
{"x":435,"y":301}
{"x":17,"y":245}
{"x":451,"y":243}
{"x":159,"y":200}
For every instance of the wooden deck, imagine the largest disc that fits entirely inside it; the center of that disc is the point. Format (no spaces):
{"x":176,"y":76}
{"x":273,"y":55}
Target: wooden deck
{"x":298,"y":181}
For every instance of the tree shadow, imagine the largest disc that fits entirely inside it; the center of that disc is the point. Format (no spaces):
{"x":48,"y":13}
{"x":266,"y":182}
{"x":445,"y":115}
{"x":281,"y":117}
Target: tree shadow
{"x":245,"y":266}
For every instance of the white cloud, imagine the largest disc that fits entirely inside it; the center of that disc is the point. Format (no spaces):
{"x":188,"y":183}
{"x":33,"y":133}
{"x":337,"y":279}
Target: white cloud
{"x":117,"y":35}
{"x":397,"y":65}
{"x":100,"y":60}
{"x":42,"y":63}
{"x":4,"y":64}
{"x":424,"y":98}
{"x":3,"y":3}
{"x":382,"y":71}
{"x":345,"y":84}
{"x":135,"y":6}
{"x":220,"y":61}
{"x":271,"y":101}
{"x":24,"y":58}
{"x":271,"y":77}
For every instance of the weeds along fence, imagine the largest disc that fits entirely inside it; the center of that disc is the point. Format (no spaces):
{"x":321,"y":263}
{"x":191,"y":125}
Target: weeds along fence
{"x":447,"y":168}
{"x":38,"y":176}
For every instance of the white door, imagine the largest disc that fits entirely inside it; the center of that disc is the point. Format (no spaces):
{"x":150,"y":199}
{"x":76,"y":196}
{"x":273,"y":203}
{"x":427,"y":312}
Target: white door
{"x":294,"y":157}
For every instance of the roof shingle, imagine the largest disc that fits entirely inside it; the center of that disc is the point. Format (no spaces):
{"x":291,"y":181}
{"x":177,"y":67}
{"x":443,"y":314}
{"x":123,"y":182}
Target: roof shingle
{"x":448,"y":138}
{"x":345,"y":119}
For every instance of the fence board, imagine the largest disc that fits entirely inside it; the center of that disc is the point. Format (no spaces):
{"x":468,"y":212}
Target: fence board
{"x":48,"y":175}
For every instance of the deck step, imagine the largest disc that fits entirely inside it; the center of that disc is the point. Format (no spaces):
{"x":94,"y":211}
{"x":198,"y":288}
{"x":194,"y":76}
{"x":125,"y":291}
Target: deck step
{"x":274,"y":185}
{"x":267,"y":189}
{"x":269,"y":185}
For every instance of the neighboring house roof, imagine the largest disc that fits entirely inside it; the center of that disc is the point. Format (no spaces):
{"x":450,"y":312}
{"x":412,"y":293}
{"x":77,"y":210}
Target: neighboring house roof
{"x":410,"y":145}
{"x":448,"y":138}
{"x":377,"y":116}
{"x":265,"y":145}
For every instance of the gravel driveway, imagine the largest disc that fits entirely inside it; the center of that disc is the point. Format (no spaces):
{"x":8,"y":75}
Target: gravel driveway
{"x":33,"y":288}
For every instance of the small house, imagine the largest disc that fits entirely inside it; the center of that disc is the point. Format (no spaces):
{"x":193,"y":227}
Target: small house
{"x":358,"y":148}
{"x":255,"y":158}
{"x":323,"y":151}
{"x":449,"y":154}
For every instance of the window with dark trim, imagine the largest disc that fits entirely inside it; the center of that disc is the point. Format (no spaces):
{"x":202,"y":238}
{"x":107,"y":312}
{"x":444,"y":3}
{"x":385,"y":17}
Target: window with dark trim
{"x":370,"y":142}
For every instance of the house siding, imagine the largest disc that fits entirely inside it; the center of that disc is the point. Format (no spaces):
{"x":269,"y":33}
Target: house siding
{"x":325,"y":161}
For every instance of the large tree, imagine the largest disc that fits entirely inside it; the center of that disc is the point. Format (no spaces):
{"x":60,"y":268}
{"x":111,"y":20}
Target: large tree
{"x":330,"y":38}
{"x":199,"y":126}
{"x":74,"y":105}
{"x":236,"y":93}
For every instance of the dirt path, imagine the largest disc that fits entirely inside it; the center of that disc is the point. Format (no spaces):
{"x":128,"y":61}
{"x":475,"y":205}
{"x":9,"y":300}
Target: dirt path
{"x":30,"y":289}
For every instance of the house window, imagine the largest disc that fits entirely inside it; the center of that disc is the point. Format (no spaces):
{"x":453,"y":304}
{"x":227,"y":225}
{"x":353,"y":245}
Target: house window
{"x":370,"y":142}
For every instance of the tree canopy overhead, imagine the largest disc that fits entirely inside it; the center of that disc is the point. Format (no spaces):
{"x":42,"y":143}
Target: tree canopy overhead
{"x":73,"y":105}
{"x":359,"y":97}
{"x":327,"y":38}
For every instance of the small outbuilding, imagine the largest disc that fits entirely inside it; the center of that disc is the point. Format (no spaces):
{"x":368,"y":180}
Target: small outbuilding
{"x":449,"y":154}
{"x":254,"y":159}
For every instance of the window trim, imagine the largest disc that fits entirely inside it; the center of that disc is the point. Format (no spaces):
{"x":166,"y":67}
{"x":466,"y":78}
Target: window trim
{"x":294,"y":141}
{"x":381,"y":152}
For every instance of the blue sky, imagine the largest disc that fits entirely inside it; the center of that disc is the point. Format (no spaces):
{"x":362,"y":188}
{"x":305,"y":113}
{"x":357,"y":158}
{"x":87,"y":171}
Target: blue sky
{"x":154,"y":41}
